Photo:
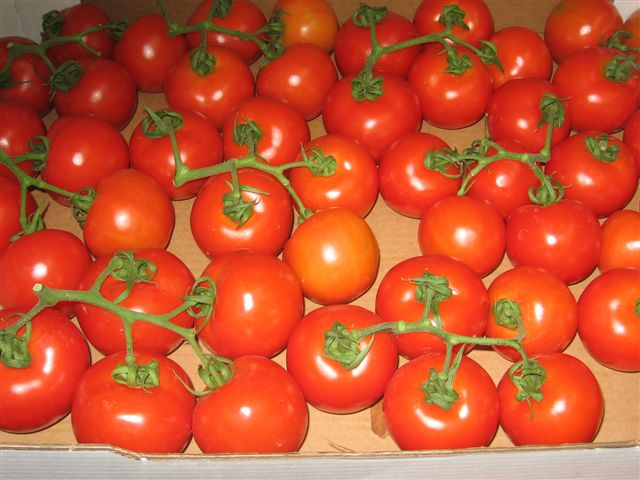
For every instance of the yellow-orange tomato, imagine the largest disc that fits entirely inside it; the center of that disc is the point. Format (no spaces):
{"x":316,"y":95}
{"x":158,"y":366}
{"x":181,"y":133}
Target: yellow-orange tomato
{"x":308,"y":21}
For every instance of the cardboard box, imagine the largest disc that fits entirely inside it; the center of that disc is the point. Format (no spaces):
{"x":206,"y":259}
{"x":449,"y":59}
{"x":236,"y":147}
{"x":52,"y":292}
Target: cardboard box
{"x":348,"y":446}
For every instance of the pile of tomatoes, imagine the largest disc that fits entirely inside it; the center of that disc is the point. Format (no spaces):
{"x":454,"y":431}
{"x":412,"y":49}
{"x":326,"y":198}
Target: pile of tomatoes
{"x":265,"y":168}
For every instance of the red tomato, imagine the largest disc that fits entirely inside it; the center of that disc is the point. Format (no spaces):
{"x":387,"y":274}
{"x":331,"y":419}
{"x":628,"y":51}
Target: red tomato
{"x":301,"y":77}
{"x":631,"y":136}
{"x":258,"y":303}
{"x":36,"y":397}
{"x":620,"y":241}
{"x":573,"y":24}
{"x":597,"y":102}
{"x":266,"y":230}
{"x":19,"y":125}
{"x":375,"y":123}
{"x":308,"y":21}
{"x":260,"y":410}
{"x":466,"y":228}
{"x":563,"y":238}
{"x":466,"y":312}
{"x":477,"y":17}
{"x":10,"y":209}
{"x":608,"y":319}
{"x":354,"y":184}
{"x":632,"y":25}
{"x":335,"y":255}
{"x":145,"y":420}
{"x":588,"y":173}
{"x":148,"y":52}
{"x":325,"y":383}
{"x":450,"y":100}
{"x":130,"y":211}
{"x":416,"y":424}
{"x":199,"y":145}
{"x":406,"y":184}
{"x":570,"y":411}
{"x":549,"y":312}
{"x":106,"y":90}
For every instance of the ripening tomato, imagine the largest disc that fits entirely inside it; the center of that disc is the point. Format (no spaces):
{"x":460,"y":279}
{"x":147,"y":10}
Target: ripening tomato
{"x":608,"y":319}
{"x":144,"y":420}
{"x":260,"y":410}
{"x":477,"y":17}
{"x":37,"y":396}
{"x":631,"y":136}
{"x":570,"y":411}
{"x":325,"y":383}
{"x":10,"y":209}
{"x":308,"y":21}
{"x":19,"y":126}
{"x":416,"y":423}
{"x":620,"y":241}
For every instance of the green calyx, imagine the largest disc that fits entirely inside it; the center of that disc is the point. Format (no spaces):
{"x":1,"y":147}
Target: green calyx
{"x":162,"y":123}
{"x":442,"y":161}
{"x":452,"y":16}
{"x":552,"y":111}
{"x":366,"y":16}
{"x":602,"y":148}
{"x":52,"y":22}
{"x":438,"y":390}
{"x":203,"y":62}
{"x":341,"y":345}
{"x":13,"y":348}
{"x":66,"y":76}
{"x":507,"y":313}
{"x":528,"y":376}
{"x":137,"y":376}
{"x":621,"y":68}
{"x":318,"y":163}
{"x":366,"y":87}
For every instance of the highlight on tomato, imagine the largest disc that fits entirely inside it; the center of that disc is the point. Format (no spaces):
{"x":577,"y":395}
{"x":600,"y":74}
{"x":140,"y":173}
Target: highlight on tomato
{"x":308,"y":21}
{"x":620,"y":241}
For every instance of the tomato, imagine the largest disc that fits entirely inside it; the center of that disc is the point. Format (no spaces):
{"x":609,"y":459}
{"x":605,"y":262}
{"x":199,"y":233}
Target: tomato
{"x":588,"y":173}
{"x":325,"y":383}
{"x":466,"y":312}
{"x":374,"y":123}
{"x":597,"y":102}
{"x":574,"y":24}
{"x":10,"y":209}
{"x":36,"y":397}
{"x":450,"y":100}
{"x":564,"y":238}
{"x":214,"y":95}
{"x":548,"y":311}
{"x":477,"y":17}
{"x":106,"y":90}
{"x":632,"y":25}
{"x":244,"y":16}
{"x":353,"y":46}
{"x":199,"y":146}
{"x":620,"y":241}
{"x":266,"y":230}
{"x":144,"y":420}
{"x":335,"y":255}
{"x":466,"y":228}
{"x":522,"y":53}
{"x":514,"y":113}
{"x":260,"y":410}
{"x":76,"y":19}
{"x":416,"y":424}
{"x":570,"y":411}
{"x":354,"y":184}
{"x":308,"y":21}
{"x":130,"y":211}
{"x":77,"y":160}
{"x":608,"y":319}
{"x":283,"y":128}
{"x":19,"y":125}
{"x":301,"y":77}
{"x":631,"y":136}
{"x":258,"y":303}
{"x":28,"y":77}
{"x":51,"y":257}
{"x":148,"y":52}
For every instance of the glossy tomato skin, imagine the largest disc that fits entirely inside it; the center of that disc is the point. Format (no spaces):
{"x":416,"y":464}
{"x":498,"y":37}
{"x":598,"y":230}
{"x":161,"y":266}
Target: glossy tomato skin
{"x":632,"y":26}
{"x":570,"y":411}
{"x":260,"y":410}
{"x":631,"y":136}
{"x":258,"y":303}
{"x":335,"y":255}
{"x":19,"y":125}
{"x":199,"y":144}
{"x":325,"y":383}
{"x":266,"y":230}
{"x":608,"y":319}
{"x":144,"y":420}
{"x":148,"y":52}
{"x":308,"y":21}
{"x":10,"y":209}
{"x":620,"y":241}
{"x":549,"y":311}
{"x":465,"y":313}
{"x":414,"y":424}
{"x":563,"y":238}
{"x":478,"y":19}
{"x":130,"y":211}
{"x":36,"y":397}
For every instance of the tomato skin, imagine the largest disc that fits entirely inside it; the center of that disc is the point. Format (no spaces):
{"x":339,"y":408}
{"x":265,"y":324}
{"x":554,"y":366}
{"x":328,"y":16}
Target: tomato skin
{"x":258,"y":303}
{"x":260,"y":410}
{"x":414,"y":424}
{"x":549,"y":311}
{"x":465,"y":313}
{"x":148,"y":52}
{"x":308,"y":21}
{"x":632,"y":25}
{"x":564,"y":238}
{"x":631,"y":136}
{"x":620,"y":241}
{"x":571,"y":410}
{"x":325,"y":383}
{"x":608,"y":319}
{"x":149,"y":420}
{"x":10,"y":209}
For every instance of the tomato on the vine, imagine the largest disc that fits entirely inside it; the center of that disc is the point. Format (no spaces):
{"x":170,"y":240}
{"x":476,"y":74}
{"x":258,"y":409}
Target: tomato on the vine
{"x":308,"y":21}
{"x":477,"y":18}
{"x":620,"y":241}
{"x":19,"y":126}
{"x":631,"y":136}
{"x":10,"y":209}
